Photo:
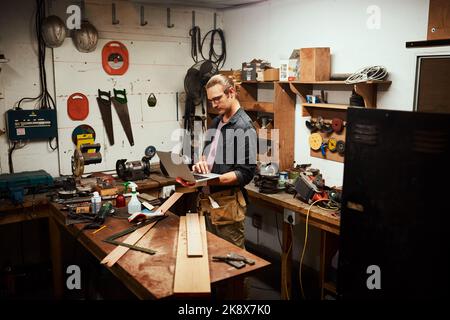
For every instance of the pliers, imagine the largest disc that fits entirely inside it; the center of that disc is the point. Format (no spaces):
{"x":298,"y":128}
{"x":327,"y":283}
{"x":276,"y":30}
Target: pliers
{"x":234,"y":260}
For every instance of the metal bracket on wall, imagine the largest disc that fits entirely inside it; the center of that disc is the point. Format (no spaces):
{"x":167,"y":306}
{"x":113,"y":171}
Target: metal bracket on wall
{"x":82,"y":10}
{"x":114,"y":20}
{"x":169,"y":25}
{"x":143,"y":22}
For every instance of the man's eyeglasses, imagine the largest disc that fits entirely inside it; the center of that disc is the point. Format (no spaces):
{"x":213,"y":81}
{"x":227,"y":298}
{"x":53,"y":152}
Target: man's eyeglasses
{"x":215,"y":99}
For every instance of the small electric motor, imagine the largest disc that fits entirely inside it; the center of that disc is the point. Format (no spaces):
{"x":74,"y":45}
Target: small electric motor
{"x":135,"y":170}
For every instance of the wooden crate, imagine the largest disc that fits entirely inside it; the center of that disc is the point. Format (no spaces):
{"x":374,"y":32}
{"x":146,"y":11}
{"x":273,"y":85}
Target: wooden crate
{"x":315,"y":64}
{"x":438,"y":20}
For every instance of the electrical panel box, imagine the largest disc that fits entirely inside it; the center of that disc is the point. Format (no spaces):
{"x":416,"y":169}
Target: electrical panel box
{"x":31,"y":124}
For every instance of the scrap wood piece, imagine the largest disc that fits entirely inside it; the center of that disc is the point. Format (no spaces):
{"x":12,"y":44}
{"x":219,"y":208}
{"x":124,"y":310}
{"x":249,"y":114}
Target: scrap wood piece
{"x":133,"y":238}
{"x":113,"y":238}
{"x":119,"y":251}
{"x":191,"y":273}
{"x":193,"y":235}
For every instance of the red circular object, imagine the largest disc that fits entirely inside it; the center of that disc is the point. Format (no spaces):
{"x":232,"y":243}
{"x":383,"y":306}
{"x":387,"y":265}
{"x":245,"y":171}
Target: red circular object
{"x":77,"y":106}
{"x":337,"y":125}
{"x":115,"y":58}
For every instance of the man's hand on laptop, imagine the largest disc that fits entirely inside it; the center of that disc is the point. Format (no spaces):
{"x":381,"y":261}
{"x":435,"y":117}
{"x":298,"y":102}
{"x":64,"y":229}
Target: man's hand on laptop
{"x":201,"y":166}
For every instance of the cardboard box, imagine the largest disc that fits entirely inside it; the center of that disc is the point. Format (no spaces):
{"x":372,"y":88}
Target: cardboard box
{"x":260,"y":75}
{"x":315,"y":64}
{"x":283,"y":74}
{"x":250,"y":70}
{"x":272,"y":74}
{"x":235,"y":75}
{"x":294,"y":65}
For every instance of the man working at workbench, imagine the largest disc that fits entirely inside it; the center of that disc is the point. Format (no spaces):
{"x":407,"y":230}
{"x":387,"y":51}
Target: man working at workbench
{"x":231,"y":153}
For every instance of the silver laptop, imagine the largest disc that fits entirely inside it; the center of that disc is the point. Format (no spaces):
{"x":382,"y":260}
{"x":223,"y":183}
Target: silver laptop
{"x":175,"y":167}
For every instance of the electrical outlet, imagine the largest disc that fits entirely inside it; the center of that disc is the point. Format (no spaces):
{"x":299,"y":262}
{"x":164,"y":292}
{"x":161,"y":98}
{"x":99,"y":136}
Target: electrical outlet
{"x":291,"y":217}
{"x":257,"y":221}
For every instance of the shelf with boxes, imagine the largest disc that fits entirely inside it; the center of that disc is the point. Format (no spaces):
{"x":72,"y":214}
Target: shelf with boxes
{"x":330,"y":145}
{"x":281,"y":110}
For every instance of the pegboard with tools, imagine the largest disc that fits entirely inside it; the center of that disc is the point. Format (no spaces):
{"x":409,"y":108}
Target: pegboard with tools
{"x":327,"y":138}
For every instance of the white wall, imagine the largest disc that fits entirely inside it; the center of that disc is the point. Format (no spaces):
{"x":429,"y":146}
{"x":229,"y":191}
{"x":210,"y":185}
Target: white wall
{"x":272,"y":29}
{"x":159,"y":59}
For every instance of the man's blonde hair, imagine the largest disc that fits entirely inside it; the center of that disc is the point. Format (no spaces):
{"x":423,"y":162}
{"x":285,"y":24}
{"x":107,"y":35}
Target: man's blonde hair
{"x":226,"y":82}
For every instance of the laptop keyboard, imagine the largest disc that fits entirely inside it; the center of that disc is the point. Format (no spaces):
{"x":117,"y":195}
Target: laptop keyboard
{"x":199,"y":177}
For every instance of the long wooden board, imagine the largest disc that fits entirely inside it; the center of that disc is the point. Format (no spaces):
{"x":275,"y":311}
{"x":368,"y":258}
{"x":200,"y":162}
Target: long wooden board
{"x":194,"y":236}
{"x":191,"y":273}
{"x":133,"y":238}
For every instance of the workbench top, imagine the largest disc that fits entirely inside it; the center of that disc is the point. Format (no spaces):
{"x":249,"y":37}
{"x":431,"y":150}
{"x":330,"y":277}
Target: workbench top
{"x":152,"y":276}
{"x":324,"y":219}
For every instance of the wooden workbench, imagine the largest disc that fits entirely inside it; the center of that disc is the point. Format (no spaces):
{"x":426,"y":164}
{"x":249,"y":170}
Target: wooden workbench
{"x":326,"y":221}
{"x":155,"y":181}
{"x":148,"y":276}
{"x":33,"y":207}
{"x":36,"y":206}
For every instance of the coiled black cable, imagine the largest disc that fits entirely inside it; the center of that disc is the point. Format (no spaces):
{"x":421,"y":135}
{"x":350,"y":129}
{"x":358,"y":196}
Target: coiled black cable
{"x":195,"y":42}
{"x":197,"y":46}
{"x":218,"y":59}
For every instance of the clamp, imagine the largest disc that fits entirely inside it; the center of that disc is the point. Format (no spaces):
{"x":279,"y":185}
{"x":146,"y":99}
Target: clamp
{"x":234,"y":260}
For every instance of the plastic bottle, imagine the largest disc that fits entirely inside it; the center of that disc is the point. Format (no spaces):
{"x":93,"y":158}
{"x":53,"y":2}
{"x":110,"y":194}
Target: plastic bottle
{"x":96,"y":202}
{"x":134,"y":205}
{"x":120,"y":199}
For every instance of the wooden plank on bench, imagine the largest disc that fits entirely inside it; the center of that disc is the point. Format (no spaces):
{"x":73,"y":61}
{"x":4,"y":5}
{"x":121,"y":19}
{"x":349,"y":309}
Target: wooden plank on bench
{"x":133,"y":238}
{"x":194,"y":236}
{"x":191,"y":273}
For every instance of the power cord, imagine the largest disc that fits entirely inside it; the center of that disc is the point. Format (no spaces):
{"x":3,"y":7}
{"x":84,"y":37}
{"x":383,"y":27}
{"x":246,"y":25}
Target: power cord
{"x":16,"y":145}
{"x":218,"y":59}
{"x":197,"y":46}
{"x":278,"y":231}
{"x":367,"y":74}
{"x":195,"y":42}
{"x":44,"y":99}
{"x":304,"y":246}
{"x":285,"y":261}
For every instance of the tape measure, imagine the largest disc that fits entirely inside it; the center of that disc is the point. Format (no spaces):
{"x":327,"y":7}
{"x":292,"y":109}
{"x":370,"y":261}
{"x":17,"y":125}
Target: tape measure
{"x":332,"y":144}
{"x":115,"y":58}
{"x":80,"y":130}
{"x":315,"y":141}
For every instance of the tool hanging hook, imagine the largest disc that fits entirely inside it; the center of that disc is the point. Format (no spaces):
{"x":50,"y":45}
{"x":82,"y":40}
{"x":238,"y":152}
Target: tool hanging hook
{"x":193,"y":19}
{"x":82,"y":10}
{"x":169,"y":25}
{"x":114,"y":20}
{"x":143,"y":22}
{"x":215,"y":21}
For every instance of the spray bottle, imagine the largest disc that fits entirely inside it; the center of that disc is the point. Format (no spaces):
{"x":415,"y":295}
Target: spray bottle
{"x":134,"y":205}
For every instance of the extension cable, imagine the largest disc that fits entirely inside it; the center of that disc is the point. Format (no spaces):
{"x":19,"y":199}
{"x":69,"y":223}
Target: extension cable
{"x":304,"y":245}
{"x":367,"y":74}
